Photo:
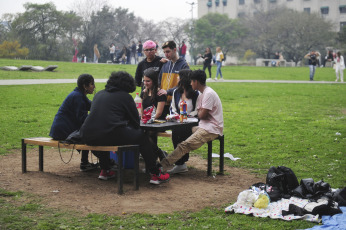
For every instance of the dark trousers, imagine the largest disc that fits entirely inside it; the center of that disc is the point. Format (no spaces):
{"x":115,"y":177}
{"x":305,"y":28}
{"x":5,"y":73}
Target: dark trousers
{"x":209,"y":69}
{"x":127,"y":135}
{"x":180,"y":134}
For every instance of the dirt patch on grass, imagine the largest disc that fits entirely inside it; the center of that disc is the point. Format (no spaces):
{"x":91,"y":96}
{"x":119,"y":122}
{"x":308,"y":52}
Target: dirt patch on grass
{"x":63,"y":186}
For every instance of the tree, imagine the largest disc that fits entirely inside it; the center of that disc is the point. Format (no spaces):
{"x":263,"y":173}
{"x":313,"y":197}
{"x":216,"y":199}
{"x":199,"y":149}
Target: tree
{"x":42,"y":28}
{"x":12,"y":50}
{"x":291,"y":32}
{"x":213,"y":30}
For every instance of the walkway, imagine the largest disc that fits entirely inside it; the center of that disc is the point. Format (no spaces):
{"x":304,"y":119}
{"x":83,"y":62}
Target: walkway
{"x":60,"y":81}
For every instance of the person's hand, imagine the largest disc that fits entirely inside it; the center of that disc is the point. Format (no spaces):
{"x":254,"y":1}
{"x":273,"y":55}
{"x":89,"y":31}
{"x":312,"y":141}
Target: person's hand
{"x":164,"y":60}
{"x":162,"y":92}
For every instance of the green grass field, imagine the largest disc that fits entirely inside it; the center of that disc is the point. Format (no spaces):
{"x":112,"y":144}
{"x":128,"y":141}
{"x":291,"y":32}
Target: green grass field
{"x":266,"y":124}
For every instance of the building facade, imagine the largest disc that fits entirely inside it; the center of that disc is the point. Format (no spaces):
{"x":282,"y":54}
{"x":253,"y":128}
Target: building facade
{"x":332,"y":10}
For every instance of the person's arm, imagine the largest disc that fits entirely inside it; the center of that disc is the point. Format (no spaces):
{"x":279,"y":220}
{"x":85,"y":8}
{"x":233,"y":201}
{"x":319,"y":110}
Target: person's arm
{"x":159,"y":109}
{"x":173,"y":109}
{"x":307,"y":56}
{"x":138,"y":76}
{"x":203,"y":114}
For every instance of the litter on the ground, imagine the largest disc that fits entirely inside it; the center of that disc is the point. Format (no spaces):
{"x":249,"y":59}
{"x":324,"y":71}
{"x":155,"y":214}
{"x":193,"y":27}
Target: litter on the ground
{"x":228,"y":155}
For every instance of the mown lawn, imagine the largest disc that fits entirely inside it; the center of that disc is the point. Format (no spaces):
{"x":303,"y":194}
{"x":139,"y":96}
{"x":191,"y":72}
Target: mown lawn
{"x":266,"y":124}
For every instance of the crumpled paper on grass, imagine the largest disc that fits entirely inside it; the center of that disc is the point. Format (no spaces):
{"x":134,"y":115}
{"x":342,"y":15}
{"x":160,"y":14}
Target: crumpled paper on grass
{"x":228,"y":155}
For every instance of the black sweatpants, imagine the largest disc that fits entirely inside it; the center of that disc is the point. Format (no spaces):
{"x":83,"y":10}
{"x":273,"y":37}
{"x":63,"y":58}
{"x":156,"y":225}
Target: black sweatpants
{"x":126,"y":135}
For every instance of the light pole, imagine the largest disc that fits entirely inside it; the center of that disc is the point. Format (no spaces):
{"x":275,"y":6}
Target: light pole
{"x":192,"y":4}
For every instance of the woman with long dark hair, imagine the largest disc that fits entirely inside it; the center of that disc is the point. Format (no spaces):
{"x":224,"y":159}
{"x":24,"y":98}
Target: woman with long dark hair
{"x":114,"y":120}
{"x":208,"y":56}
{"x":183,"y":92}
{"x":149,"y":94}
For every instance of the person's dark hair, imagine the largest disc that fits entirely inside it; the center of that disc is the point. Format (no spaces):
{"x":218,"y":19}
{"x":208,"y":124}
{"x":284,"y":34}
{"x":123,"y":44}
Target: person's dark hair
{"x":198,"y":75}
{"x":185,"y":83}
{"x":121,"y":80}
{"x":154,"y":76}
{"x":84,"y":80}
{"x":338,"y":53}
{"x":169,"y":44}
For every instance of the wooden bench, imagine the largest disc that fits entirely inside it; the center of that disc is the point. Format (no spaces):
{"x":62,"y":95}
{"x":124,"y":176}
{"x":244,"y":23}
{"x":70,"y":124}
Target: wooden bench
{"x":44,"y":141}
{"x":210,"y":150}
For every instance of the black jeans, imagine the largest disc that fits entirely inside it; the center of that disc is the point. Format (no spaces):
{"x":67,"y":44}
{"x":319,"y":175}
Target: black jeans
{"x":126,"y":135}
{"x":209,"y":68}
{"x":180,"y":134}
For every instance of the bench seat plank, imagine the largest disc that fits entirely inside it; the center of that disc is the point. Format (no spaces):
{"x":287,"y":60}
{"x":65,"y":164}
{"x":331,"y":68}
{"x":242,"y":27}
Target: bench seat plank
{"x":46,"y":141}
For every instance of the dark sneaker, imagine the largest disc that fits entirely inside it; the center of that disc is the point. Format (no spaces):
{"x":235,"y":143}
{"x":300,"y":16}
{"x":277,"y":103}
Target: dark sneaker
{"x":87,"y":167}
{"x":159,"y":178}
{"x":106,"y":174}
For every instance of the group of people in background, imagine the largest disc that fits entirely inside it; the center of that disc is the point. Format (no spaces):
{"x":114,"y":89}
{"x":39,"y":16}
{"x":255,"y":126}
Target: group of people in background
{"x":114,"y":119}
{"x":336,"y":59}
{"x":208,"y":59}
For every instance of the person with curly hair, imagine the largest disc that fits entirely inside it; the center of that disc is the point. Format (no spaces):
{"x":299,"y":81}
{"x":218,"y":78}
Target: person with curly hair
{"x":114,"y":120}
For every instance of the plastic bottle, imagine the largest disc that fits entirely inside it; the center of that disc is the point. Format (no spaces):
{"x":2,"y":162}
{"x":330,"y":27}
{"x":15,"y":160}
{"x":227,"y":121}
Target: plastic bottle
{"x":138,"y":101}
{"x":183,"y":111}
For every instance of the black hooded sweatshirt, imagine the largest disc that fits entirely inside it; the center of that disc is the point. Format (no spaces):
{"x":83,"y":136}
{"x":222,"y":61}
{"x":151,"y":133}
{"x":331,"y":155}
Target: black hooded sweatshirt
{"x":110,"y":108}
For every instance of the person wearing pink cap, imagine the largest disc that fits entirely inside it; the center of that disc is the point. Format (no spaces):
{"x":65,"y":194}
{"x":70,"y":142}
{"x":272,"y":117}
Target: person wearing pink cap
{"x":150,"y":61}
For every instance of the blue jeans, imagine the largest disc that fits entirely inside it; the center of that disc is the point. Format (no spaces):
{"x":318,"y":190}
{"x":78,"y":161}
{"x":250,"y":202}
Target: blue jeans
{"x":218,"y":70}
{"x":312,"y":71}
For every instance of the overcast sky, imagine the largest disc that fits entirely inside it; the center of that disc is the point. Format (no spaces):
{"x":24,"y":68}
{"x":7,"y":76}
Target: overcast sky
{"x":156,"y":10}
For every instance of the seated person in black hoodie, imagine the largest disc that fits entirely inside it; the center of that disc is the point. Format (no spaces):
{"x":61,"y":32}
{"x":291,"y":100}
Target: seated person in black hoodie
{"x":114,"y":120}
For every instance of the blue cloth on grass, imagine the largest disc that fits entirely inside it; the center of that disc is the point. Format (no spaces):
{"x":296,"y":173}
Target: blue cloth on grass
{"x":337,"y":221}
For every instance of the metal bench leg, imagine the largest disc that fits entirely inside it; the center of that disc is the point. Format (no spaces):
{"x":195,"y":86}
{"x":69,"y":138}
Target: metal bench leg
{"x":222,"y":151}
{"x":210,"y":159}
{"x":120,"y":171}
{"x":136,"y":168}
{"x":23,"y":157}
{"x":40,"y":157}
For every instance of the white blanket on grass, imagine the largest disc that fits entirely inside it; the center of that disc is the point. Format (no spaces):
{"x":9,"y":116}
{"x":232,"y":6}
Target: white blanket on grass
{"x":274,"y":210}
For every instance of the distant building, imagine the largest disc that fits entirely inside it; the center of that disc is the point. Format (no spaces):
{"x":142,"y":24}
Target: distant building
{"x":332,"y":10}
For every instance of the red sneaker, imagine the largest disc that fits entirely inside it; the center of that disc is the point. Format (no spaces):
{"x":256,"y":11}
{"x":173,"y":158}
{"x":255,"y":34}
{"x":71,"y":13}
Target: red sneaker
{"x":106,"y":174}
{"x":159,"y":178}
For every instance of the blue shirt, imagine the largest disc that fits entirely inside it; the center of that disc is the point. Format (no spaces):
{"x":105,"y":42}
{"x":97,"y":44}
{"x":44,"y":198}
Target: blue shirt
{"x":70,"y":115}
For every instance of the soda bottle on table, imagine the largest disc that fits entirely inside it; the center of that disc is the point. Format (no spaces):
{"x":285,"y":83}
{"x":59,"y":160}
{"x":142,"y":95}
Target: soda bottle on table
{"x":183,"y":111}
{"x":138,"y":101}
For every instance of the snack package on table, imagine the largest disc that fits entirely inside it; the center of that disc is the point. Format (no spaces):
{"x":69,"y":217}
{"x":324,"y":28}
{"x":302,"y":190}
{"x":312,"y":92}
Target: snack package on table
{"x":148,"y":114}
{"x":172,"y":117}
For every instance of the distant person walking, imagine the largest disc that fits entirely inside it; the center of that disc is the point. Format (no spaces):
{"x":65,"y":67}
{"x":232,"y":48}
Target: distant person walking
{"x":219,"y":58}
{"x":133,"y":52}
{"x":208,"y":56}
{"x":312,"y":56}
{"x":139,"y":50}
{"x":112,"y":52}
{"x":182,"y":50}
{"x":339,"y":67}
{"x":96,"y":54}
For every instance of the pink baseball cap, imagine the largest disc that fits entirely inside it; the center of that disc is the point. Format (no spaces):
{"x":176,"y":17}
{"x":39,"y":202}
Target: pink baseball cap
{"x":149,"y":45}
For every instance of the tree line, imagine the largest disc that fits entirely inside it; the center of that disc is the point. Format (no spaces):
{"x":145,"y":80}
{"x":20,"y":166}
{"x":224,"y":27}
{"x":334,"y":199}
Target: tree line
{"x":48,"y":34}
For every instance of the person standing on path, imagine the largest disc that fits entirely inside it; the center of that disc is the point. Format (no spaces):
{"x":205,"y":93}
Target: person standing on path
{"x":96,"y":54}
{"x":208,"y":56}
{"x":339,"y":67}
{"x":112,"y":52}
{"x":182,"y":50}
{"x":219,"y":58}
{"x":312,"y":56}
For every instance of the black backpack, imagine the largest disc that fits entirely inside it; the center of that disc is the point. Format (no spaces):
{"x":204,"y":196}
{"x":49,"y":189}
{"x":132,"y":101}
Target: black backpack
{"x":283,"y":178}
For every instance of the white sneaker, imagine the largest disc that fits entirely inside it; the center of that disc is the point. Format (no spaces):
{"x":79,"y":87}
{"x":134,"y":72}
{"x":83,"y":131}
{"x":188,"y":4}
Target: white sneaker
{"x":215,"y":79}
{"x":178,"y":169}
{"x":209,"y":79}
{"x":221,"y":79}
